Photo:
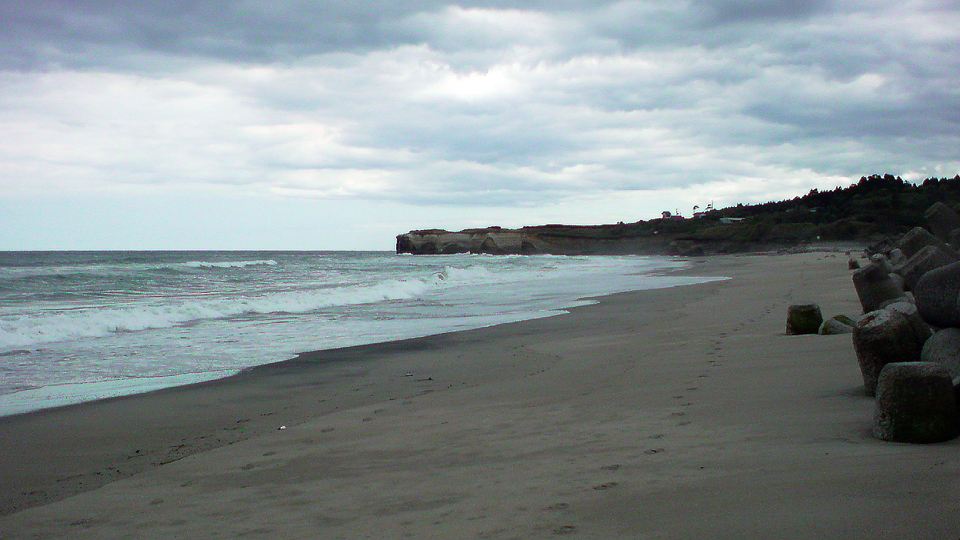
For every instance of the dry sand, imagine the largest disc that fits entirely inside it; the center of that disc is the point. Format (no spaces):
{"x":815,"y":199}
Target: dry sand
{"x":678,"y":413}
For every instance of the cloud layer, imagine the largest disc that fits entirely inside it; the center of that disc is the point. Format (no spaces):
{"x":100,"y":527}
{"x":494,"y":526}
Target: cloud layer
{"x":498,"y":104}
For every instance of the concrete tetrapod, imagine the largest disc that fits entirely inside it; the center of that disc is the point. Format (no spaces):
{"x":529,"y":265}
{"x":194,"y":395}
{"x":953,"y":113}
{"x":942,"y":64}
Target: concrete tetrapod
{"x":942,"y":219}
{"x":804,"y":319}
{"x":915,"y":404}
{"x":917,"y":238}
{"x":938,"y":296}
{"x":874,"y":287}
{"x":882,"y":337}
{"x":927,"y":259}
{"x":944,"y":349}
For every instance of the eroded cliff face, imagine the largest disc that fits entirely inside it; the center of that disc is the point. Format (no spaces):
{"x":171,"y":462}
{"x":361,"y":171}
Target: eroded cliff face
{"x":493,"y":241}
{"x":547,"y":239}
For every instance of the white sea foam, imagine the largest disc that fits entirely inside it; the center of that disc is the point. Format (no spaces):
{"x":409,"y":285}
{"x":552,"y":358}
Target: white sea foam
{"x":469,"y":274}
{"x":77,"y":318}
{"x":229,"y":264}
{"x":32,"y":330}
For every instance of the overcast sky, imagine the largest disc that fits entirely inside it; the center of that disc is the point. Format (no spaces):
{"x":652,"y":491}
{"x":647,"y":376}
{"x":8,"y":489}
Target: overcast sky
{"x":338,"y":124}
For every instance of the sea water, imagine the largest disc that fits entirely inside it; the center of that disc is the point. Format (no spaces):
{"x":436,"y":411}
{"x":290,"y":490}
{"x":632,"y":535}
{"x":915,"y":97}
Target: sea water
{"x":76,"y":326}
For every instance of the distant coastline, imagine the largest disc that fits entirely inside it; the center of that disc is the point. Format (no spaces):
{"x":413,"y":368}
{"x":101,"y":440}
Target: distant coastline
{"x":874,"y":208}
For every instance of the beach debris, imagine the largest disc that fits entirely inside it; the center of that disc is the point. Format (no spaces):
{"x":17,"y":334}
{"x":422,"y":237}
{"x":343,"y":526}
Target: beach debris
{"x":915,"y":404}
{"x":282,"y":427}
{"x":943,"y":348}
{"x":874,"y":286}
{"x":853,"y":264}
{"x":883,"y":337}
{"x":803,"y":319}
{"x":937,"y":293}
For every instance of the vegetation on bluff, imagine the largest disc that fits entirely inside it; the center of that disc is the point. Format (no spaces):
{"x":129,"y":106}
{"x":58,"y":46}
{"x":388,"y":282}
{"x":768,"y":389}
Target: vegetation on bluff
{"x":876,"y":207}
{"x":873,"y":208}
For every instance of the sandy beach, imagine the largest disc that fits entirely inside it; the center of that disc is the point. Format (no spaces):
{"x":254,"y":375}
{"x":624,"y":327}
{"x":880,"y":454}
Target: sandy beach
{"x":674,"y":413}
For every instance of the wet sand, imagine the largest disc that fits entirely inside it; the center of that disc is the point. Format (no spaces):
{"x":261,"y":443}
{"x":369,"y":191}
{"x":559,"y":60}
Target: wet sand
{"x":675,"y":413}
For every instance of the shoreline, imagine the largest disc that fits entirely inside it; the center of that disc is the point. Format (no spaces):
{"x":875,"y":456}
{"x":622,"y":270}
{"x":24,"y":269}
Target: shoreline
{"x":32,"y":398}
{"x":624,"y":418}
{"x":335,"y":368}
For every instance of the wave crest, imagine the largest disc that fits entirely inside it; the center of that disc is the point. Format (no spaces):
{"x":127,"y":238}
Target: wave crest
{"x":230,"y":264}
{"x":27,"y":331}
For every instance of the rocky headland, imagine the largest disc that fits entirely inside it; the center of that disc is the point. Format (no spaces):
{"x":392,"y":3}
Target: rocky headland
{"x":876,"y":207}
{"x":546,"y":239}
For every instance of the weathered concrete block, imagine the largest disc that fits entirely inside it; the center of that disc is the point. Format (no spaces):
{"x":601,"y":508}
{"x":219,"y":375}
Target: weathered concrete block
{"x":804,"y":319}
{"x":915,"y":404}
{"x":944,"y":348}
{"x":921,"y":329}
{"x":896,"y":257}
{"x":883,"y":337}
{"x":918,"y":238}
{"x":874,"y":287}
{"x":941,"y":219}
{"x":898,"y":280}
{"x":882,"y":260}
{"x":938,"y":296}
{"x":928,"y":258}
{"x":954,"y":238}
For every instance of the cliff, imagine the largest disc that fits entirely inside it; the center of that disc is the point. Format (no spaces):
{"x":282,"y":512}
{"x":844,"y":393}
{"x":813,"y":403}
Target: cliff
{"x":546,"y":239}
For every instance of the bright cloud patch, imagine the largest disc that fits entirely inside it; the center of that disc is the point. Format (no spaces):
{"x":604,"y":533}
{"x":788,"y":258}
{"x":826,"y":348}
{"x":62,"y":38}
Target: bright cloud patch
{"x":479,"y":105}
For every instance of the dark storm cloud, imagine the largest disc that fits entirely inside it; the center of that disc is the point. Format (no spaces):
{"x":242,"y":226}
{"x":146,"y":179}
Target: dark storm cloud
{"x":43,"y":35}
{"x":750,"y":11}
{"x":500,"y":103}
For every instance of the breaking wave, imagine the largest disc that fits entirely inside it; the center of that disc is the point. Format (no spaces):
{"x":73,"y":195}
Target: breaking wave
{"x":70,"y":324}
{"x":229,"y":264}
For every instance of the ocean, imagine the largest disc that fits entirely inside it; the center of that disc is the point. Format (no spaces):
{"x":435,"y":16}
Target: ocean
{"x":78,"y":326}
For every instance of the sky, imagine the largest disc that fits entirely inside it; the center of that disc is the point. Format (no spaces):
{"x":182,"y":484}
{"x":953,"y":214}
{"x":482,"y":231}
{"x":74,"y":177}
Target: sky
{"x":243,"y":124}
